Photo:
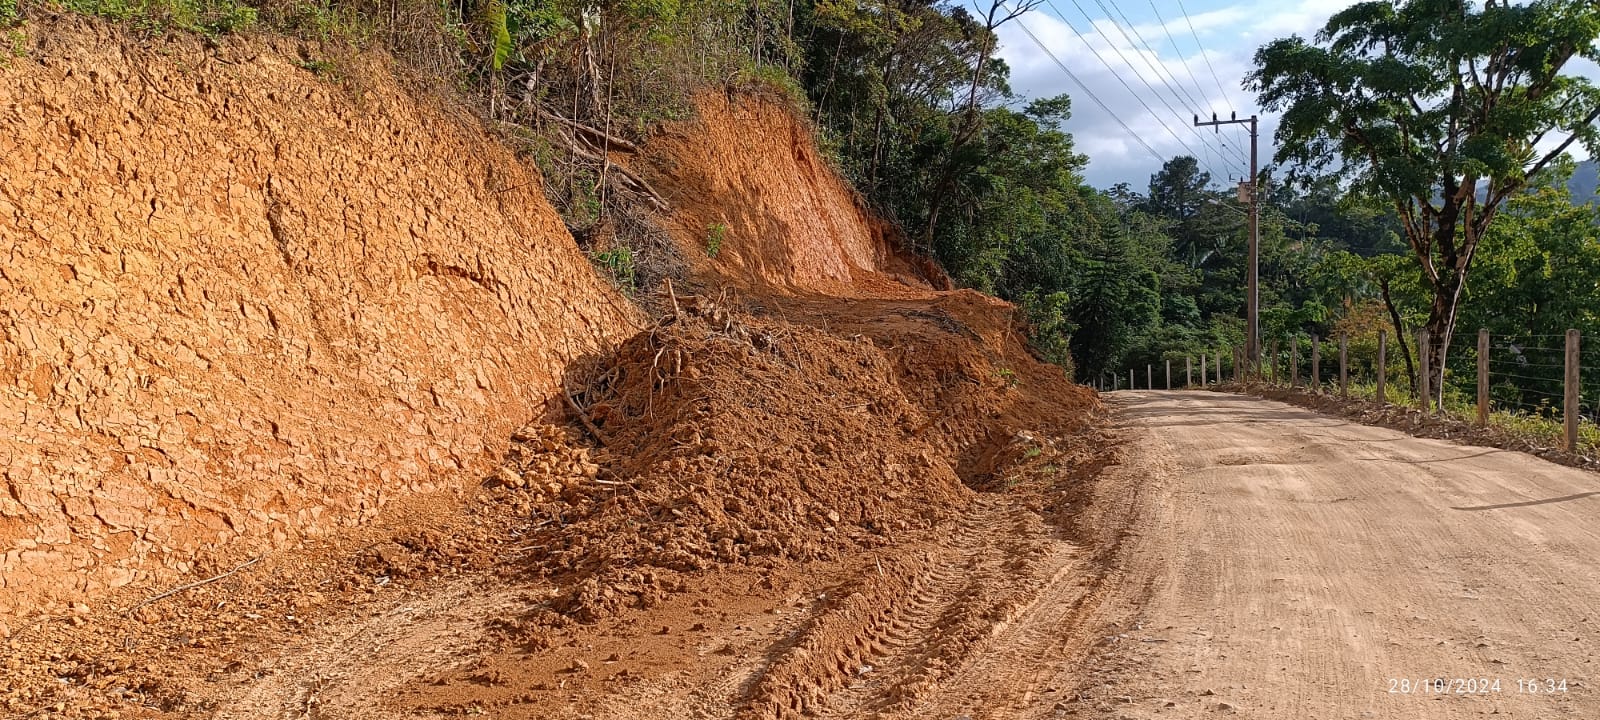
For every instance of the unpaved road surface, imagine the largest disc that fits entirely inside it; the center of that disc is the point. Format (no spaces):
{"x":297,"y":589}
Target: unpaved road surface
{"x":1241,"y":557}
{"x":1292,"y":565}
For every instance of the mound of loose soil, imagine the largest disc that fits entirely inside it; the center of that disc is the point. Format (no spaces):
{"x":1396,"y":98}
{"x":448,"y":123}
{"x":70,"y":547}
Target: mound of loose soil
{"x":732,"y":438}
{"x":736,"y":440}
{"x":962,"y":359}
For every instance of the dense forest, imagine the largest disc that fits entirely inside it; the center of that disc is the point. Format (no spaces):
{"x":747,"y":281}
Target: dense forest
{"x":913,"y":104}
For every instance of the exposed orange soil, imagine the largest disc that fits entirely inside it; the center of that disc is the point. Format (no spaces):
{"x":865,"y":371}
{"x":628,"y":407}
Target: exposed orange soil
{"x":242,"y":305}
{"x":817,"y":484}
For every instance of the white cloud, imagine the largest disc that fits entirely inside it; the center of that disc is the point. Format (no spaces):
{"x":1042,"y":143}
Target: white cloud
{"x":1228,"y":38}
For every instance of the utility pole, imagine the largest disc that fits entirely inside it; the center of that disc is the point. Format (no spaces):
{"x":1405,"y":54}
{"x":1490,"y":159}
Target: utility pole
{"x":1250,"y":190}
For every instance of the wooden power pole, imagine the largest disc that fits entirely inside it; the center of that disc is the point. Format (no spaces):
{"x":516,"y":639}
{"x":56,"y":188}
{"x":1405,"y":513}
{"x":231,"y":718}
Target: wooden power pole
{"x":1252,"y":339}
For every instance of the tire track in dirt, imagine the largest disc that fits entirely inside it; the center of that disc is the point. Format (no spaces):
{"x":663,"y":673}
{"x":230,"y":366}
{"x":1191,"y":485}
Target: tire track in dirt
{"x":977,"y":617}
{"x":1032,"y":659}
{"x":994,"y":626}
{"x":342,"y":668}
{"x":885,"y":643}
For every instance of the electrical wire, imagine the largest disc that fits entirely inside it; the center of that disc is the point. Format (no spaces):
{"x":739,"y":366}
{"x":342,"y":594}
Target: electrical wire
{"x":1125,"y":85}
{"x":1161,"y":71}
{"x":1136,"y":96}
{"x":1083,"y":86}
{"x":1203,"y":56}
{"x":1215,"y":78}
{"x":1166,"y":76}
{"x":1179,"y":51}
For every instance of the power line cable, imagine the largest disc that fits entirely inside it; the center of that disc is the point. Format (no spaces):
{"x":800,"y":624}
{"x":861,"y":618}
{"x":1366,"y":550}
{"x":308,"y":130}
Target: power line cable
{"x":1215,"y":78}
{"x":1189,"y":70}
{"x":1153,"y":114}
{"x":1082,"y":38}
{"x":1174,"y":42}
{"x":1203,"y":56}
{"x":1085,"y":87}
{"x":1161,"y":72}
{"x":1167,"y":77}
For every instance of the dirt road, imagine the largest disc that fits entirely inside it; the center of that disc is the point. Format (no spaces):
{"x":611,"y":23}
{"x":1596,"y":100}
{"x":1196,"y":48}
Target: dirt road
{"x":1241,"y":557}
{"x":1289,"y":564}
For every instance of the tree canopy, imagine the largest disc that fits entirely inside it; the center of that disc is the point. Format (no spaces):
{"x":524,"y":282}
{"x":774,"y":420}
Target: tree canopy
{"x":1441,"y":108}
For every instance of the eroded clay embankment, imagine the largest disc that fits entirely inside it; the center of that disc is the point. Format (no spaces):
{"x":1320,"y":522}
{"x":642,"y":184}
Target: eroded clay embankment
{"x":747,"y":170}
{"x":241,"y":302}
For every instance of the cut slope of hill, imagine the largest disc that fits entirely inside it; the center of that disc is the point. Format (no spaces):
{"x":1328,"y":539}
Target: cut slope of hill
{"x":745,"y":173}
{"x":356,"y":296}
{"x":241,"y":303}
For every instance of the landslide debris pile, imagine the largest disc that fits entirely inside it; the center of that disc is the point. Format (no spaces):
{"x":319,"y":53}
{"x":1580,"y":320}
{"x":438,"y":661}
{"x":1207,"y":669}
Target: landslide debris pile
{"x":731,"y":438}
{"x":961,"y":357}
{"x":738,"y":440}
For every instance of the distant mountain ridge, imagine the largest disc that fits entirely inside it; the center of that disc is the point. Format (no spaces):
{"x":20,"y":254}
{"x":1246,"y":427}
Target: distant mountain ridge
{"x":1585,"y":182}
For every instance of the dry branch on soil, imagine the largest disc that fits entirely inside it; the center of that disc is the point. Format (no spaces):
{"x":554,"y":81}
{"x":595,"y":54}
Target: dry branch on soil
{"x":193,"y":585}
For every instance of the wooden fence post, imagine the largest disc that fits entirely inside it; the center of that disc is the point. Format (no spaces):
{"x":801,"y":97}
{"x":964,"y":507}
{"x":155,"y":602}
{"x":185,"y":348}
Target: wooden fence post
{"x":1202,"y":369}
{"x":1424,"y":372}
{"x":1169,"y":373}
{"x":1383,"y":364}
{"x":1294,"y":362}
{"x":1344,"y":365}
{"x":1148,"y":383}
{"x":1569,"y":411}
{"x":1316,"y":364}
{"x":1188,"y":370}
{"x":1483,"y":376}
{"x":1130,"y":378}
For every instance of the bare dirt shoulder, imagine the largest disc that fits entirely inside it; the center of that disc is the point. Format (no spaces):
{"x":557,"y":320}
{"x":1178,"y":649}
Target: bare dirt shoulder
{"x":950,"y":621}
{"x":755,"y":518}
{"x":1414,"y":421}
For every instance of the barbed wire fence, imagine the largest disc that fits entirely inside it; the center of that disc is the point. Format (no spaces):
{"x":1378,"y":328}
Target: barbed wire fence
{"x":1552,"y":379}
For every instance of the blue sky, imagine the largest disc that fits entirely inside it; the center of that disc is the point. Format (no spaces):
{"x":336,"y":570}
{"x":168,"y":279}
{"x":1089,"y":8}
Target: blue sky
{"x":1193,"y":54}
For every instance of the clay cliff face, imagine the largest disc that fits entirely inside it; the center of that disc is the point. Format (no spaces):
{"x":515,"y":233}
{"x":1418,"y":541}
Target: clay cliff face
{"x":240,"y":303}
{"x":745,"y":168}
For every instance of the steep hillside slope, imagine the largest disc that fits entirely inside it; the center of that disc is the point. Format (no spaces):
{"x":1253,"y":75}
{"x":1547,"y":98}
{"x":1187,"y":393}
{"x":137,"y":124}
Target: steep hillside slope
{"x":240,"y":303}
{"x":745,"y":169}
{"x":802,"y":247}
{"x":246,"y":306}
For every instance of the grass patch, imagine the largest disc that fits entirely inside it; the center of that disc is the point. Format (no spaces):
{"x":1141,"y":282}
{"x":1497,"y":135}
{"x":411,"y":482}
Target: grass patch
{"x":320,"y":68}
{"x":13,"y":45}
{"x":618,"y":263}
{"x":1544,"y":427}
{"x":714,"y":237}
{"x":207,"y":17}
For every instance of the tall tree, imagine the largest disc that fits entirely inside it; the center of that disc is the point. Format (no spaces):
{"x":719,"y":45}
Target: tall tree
{"x":1178,"y":192}
{"x":1443,"y":109}
{"x":1179,"y":189}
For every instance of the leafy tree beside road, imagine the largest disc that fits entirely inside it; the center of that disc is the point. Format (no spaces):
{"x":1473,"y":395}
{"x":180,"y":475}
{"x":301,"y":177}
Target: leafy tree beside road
{"x":1444,"y":110}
